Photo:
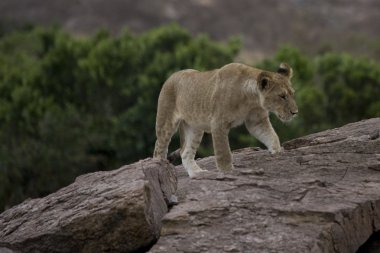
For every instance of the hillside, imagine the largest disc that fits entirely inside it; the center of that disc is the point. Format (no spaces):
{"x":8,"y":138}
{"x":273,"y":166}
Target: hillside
{"x":311,"y":25}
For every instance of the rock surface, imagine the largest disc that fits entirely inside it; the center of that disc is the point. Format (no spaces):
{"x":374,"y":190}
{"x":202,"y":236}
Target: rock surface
{"x":322,"y":194}
{"x":113,"y":211}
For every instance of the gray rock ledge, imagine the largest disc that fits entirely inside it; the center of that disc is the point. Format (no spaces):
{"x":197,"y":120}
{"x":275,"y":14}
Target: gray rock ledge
{"x":322,"y":194}
{"x":108,"y":211}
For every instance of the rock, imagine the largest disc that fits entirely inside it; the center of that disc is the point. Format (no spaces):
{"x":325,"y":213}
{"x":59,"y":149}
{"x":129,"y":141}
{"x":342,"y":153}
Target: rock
{"x":108,"y":211}
{"x":6,"y":250}
{"x":322,"y":194}
{"x":372,"y":245}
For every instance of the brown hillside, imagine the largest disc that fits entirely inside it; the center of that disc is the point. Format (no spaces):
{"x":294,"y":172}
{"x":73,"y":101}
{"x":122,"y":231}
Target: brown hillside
{"x":311,"y":25}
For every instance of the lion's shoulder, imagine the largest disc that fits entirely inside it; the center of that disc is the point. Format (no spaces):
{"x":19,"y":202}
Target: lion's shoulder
{"x":239,"y":70}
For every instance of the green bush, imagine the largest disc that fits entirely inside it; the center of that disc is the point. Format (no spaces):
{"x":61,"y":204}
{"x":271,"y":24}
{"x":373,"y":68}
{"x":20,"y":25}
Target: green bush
{"x":73,"y":105}
{"x":331,"y":90}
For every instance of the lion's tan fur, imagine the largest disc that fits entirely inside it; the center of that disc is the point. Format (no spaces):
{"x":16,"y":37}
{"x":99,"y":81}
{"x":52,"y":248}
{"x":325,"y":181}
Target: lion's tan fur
{"x":217,"y":100}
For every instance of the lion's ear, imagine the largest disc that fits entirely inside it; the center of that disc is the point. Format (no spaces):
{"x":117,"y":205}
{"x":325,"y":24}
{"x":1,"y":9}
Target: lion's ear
{"x":263,"y":81}
{"x":285,"y":69}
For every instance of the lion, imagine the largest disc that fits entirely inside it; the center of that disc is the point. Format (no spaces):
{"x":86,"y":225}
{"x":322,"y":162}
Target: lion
{"x":216,"y":101}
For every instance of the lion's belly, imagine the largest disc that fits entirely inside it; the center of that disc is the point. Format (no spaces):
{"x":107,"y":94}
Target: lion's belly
{"x":203,"y":125}
{"x":198,"y":121}
{"x":237,"y":122}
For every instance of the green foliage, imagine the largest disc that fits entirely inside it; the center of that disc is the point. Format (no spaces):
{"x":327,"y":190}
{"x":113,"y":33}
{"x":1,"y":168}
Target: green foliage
{"x":331,"y":89}
{"x":74,"y":105}
{"x":352,"y":86}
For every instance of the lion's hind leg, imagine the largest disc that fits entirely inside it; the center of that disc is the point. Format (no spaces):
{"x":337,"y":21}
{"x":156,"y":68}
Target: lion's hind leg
{"x":190,"y":140}
{"x":166,"y":123}
{"x":164,"y":134}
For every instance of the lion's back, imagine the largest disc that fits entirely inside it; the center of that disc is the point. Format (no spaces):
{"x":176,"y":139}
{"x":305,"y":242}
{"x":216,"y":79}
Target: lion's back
{"x":193,"y":92}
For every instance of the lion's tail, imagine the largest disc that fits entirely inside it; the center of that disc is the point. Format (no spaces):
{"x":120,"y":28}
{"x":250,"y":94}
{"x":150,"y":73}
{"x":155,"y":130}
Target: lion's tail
{"x":173,"y":156}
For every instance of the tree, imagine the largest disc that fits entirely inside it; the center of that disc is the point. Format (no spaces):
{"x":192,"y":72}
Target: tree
{"x":332,"y":89}
{"x":73,"y":105}
{"x":352,"y":86}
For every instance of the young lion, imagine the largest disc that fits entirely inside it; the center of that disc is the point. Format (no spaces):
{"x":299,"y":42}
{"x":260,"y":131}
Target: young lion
{"x":217,"y":100}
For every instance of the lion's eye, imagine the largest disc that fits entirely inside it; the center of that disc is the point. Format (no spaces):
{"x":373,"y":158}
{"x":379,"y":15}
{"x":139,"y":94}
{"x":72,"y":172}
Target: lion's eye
{"x":283,"y":96}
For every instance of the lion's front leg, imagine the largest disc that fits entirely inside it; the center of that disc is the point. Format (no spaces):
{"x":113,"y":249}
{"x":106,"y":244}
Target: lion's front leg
{"x":222,"y":149}
{"x":264,"y":132}
{"x":191,"y":139}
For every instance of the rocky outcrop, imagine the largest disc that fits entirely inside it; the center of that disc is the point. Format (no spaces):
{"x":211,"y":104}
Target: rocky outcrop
{"x":322,"y":194}
{"x":113,"y":211}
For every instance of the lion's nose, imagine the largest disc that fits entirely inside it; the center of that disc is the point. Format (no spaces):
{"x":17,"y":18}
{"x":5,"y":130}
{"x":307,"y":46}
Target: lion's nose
{"x":294,"y":113}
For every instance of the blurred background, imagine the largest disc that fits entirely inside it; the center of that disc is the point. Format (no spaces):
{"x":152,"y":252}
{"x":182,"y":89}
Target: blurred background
{"x":79,"y":79}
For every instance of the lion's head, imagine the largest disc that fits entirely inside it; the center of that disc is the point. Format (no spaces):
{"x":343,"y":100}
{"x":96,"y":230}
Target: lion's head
{"x":277,"y":94}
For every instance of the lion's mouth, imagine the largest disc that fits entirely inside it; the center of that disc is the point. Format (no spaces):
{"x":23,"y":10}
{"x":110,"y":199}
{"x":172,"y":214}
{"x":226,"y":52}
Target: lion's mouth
{"x":285,"y":118}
